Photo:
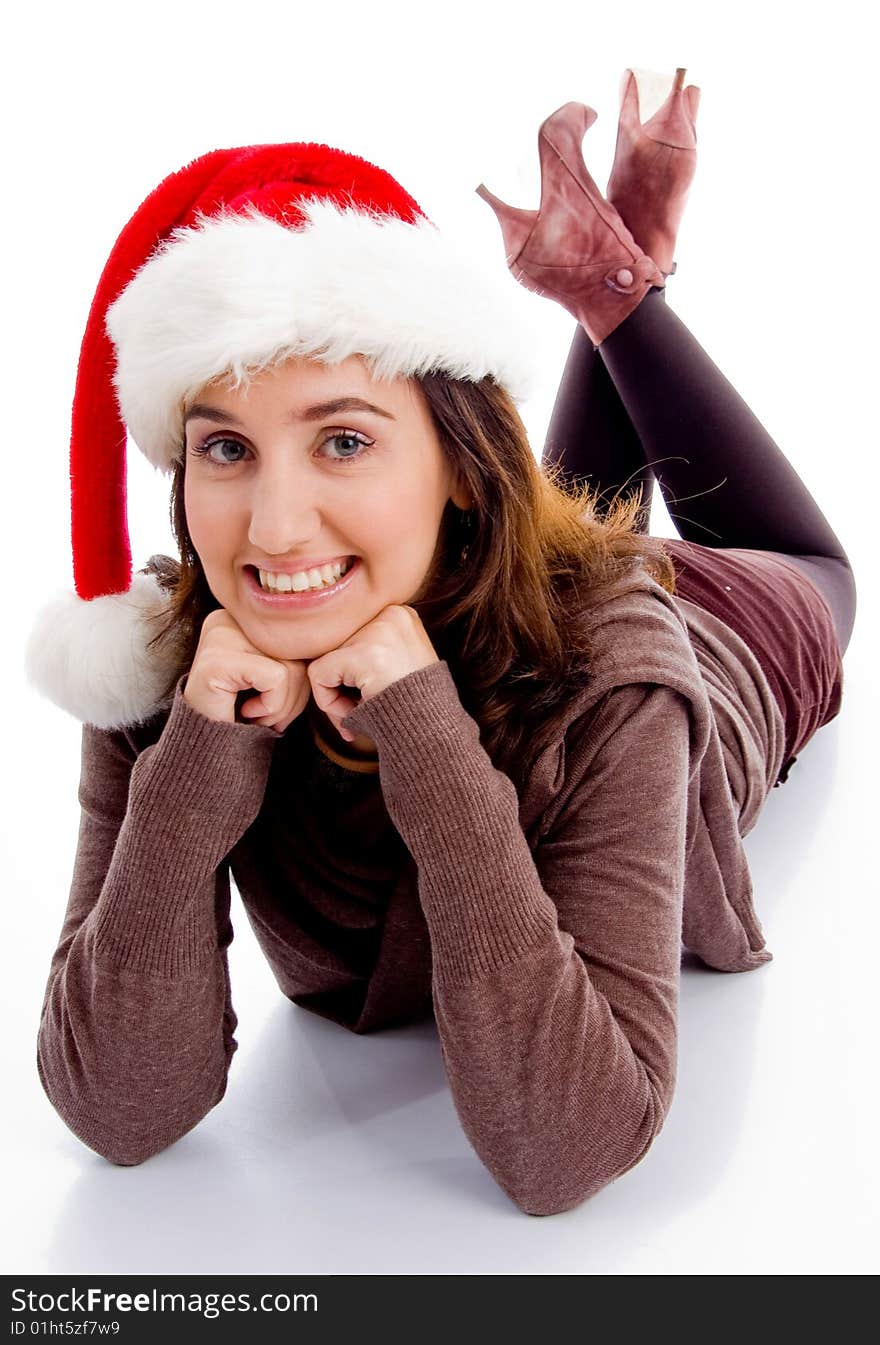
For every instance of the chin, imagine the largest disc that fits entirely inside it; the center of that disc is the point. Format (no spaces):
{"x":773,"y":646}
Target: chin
{"x":281,"y":646}
{"x":286,"y":642}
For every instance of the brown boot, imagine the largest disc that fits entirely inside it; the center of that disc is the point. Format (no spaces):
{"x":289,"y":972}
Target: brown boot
{"x":654,"y":165}
{"x":575,"y":248}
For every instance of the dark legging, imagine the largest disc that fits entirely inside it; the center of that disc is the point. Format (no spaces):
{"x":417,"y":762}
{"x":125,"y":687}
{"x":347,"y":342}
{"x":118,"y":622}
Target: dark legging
{"x":650,"y":400}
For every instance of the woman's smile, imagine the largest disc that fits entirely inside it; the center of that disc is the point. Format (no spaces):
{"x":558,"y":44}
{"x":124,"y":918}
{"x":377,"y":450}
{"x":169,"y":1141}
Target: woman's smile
{"x":281,"y":591}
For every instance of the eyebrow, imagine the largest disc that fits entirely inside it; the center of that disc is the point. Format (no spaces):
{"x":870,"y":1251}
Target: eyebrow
{"x":317,"y":412}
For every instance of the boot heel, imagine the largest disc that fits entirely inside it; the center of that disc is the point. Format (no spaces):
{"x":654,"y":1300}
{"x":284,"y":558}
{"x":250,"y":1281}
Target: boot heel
{"x":516,"y":225}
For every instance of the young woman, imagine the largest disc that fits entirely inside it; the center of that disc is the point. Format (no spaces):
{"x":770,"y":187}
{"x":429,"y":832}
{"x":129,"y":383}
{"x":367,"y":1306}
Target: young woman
{"x":470,"y":741}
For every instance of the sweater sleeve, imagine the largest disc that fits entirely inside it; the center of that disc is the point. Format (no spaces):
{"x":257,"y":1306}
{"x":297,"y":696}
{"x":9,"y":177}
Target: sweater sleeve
{"x":136,"y":1031}
{"x":555,"y":974}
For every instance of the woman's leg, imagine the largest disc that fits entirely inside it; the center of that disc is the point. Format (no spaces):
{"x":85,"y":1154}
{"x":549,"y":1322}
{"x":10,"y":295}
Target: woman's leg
{"x":591,"y":437}
{"x":708,"y":450}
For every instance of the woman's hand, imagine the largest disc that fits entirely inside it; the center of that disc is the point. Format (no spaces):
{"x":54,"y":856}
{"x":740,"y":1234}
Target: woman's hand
{"x":387,"y":648}
{"x":226,"y":663}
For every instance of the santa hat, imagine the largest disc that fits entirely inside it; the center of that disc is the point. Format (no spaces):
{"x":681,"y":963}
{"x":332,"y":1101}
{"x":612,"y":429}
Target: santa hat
{"x":243,"y":257}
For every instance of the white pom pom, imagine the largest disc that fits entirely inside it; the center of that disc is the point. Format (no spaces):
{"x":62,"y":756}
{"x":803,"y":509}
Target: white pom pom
{"x":91,"y":658}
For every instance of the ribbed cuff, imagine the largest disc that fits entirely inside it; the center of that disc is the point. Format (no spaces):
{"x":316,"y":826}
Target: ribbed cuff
{"x":197,"y":759}
{"x":192,"y":796}
{"x":459,"y":816}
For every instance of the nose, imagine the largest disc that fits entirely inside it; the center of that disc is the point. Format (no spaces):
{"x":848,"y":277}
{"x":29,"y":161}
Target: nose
{"x":285,"y":510}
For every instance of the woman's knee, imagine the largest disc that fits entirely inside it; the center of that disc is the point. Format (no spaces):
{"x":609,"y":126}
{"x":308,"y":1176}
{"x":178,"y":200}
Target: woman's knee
{"x":834,"y":578}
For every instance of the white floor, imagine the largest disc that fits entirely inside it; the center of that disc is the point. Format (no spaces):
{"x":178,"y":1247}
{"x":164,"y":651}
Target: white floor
{"x":337,"y":1153}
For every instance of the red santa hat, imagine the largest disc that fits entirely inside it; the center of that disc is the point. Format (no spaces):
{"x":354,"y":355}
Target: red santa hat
{"x":242,"y":258}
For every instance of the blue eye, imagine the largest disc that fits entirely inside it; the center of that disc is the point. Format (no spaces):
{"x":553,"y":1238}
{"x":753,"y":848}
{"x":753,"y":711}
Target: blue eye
{"x":207,"y":451}
{"x":359,"y":441}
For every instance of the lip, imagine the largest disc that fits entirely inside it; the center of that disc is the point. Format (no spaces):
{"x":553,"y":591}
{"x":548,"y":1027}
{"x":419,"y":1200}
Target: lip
{"x":289,"y":601}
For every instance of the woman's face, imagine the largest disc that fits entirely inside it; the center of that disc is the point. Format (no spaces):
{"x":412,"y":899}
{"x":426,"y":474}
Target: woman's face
{"x":295,"y":473}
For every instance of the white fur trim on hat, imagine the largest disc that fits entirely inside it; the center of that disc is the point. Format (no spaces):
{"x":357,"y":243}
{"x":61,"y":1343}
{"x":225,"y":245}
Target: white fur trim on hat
{"x":91,"y":658}
{"x":241,"y":290}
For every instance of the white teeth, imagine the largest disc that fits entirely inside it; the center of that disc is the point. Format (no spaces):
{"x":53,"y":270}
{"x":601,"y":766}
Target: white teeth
{"x":303,"y":579}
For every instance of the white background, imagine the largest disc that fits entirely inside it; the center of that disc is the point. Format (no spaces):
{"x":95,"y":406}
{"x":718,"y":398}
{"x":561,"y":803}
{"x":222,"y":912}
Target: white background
{"x":338,"y":1153}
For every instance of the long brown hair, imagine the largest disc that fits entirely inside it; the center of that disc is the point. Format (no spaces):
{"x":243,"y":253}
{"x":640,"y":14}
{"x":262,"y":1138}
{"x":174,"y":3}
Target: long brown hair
{"x":505,"y":598}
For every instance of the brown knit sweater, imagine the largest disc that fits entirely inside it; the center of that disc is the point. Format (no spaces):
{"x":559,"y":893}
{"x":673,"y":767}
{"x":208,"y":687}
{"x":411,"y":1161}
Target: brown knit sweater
{"x":542,"y":931}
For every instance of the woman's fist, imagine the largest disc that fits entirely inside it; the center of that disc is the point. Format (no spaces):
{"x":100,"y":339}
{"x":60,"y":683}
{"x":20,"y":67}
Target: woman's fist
{"x":226,"y":663}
